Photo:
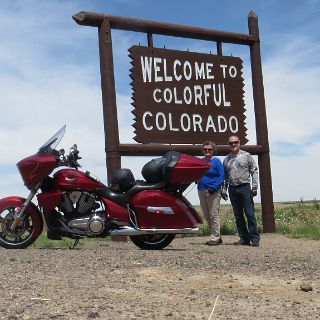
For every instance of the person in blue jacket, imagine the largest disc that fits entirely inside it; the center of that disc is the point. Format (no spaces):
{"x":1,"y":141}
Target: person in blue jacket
{"x":209,"y":191}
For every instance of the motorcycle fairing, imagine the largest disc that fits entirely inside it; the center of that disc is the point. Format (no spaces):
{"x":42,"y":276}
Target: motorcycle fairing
{"x":35,"y":168}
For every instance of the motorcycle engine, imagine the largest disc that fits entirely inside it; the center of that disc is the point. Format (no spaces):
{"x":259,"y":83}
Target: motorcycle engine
{"x":75,"y":203}
{"x":94,"y":224}
{"x":79,"y":209}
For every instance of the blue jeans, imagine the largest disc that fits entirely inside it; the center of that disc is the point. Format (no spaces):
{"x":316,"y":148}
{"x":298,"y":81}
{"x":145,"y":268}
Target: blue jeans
{"x":242,"y":202}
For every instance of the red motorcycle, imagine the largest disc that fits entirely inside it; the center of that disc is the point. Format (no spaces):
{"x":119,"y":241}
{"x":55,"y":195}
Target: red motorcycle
{"x":74,"y":204}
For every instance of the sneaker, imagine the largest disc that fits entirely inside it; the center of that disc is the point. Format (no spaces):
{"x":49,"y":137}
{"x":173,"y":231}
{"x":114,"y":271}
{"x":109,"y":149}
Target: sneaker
{"x":214,"y":242}
{"x":255,"y":244}
{"x":241,"y":243}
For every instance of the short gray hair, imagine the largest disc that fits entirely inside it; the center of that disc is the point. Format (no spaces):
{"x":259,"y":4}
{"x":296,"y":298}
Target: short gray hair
{"x":212,"y":144}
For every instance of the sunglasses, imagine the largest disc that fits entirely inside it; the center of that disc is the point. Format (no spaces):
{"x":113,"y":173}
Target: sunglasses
{"x":207,"y":149}
{"x":234,"y":142}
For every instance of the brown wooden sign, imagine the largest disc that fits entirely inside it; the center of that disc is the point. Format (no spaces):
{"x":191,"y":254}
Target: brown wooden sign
{"x":164,"y":108}
{"x":186,"y":97}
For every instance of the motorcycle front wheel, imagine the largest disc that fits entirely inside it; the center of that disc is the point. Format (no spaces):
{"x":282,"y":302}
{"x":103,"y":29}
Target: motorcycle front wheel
{"x":152,"y":241}
{"x":24,"y":234}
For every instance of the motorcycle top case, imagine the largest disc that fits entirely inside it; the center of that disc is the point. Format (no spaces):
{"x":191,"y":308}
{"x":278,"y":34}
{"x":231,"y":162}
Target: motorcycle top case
{"x":175,"y":168}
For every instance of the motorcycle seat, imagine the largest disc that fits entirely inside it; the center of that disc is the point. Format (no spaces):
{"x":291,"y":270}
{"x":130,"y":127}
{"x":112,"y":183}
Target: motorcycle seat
{"x":122,"y":198}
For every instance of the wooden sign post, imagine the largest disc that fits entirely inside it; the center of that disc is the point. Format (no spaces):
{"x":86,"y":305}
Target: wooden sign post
{"x":182,"y":98}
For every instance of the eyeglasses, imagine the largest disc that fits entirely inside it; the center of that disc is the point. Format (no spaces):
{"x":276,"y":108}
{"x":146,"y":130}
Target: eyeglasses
{"x":233,"y":142}
{"x":207,"y":149}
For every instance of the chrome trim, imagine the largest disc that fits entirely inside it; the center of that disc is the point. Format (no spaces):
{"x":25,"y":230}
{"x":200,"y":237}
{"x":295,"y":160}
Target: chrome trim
{"x":95,"y":224}
{"x":45,"y":225}
{"x":129,"y":231}
{"x":132,"y":217}
{"x":79,"y":223}
{"x":19,"y":216}
{"x":164,"y":210}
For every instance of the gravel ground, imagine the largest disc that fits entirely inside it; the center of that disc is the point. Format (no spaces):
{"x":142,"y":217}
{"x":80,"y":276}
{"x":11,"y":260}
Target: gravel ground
{"x":188,"y":280}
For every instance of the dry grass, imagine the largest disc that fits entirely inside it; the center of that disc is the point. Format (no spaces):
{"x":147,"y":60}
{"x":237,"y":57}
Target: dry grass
{"x":294,"y":218}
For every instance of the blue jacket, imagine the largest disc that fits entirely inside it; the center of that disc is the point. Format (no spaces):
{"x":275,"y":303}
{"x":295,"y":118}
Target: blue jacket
{"x":214,"y":177}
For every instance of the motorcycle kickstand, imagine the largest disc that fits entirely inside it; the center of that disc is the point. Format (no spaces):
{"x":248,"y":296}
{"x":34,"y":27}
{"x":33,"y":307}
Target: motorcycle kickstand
{"x":75,"y":244}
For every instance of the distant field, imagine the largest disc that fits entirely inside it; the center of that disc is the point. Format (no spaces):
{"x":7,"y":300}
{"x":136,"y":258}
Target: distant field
{"x":295,"y":218}
{"x":224,"y":207}
{"x":227,"y":208}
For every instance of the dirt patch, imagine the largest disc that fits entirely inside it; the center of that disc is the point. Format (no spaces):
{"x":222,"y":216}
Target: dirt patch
{"x":112,"y":280}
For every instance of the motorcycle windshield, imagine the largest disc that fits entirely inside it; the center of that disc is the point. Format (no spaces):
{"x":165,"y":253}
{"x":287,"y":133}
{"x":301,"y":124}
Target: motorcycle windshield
{"x":52,"y":143}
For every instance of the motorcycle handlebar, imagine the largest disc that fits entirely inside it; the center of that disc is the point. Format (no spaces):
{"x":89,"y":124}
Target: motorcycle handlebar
{"x":71,"y":160}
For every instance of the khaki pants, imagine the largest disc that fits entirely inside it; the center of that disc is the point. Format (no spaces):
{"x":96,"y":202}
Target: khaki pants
{"x":210,"y":205}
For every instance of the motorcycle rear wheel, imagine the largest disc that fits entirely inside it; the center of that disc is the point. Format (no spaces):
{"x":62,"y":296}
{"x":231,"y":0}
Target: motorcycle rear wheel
{"x":152,"y":241}
{"x":24,"y":234}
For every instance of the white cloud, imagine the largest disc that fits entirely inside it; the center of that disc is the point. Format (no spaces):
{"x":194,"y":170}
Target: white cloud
{"x":50,"y":76}
{"x":293,"y":91}
{"x":292,"y":96}
{"x":296,"y":177}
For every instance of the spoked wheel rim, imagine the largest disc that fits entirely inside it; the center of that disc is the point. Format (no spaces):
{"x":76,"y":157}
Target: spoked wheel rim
{"x":22,"y":233}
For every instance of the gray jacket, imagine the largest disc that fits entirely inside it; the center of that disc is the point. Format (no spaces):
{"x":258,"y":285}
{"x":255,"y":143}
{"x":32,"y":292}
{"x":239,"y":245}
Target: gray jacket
{"x":239,"y":169}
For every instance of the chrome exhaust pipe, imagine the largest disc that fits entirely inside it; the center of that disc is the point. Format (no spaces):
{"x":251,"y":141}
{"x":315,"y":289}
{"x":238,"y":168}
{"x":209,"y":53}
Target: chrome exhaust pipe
{"x":129,"y":231}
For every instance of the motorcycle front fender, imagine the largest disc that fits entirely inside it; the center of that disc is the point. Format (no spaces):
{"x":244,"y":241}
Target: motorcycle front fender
{"x":17,"y":202}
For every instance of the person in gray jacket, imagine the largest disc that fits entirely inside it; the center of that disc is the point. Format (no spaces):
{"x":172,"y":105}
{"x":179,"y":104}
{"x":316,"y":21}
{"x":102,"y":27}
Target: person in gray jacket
{"x":240,"y":171}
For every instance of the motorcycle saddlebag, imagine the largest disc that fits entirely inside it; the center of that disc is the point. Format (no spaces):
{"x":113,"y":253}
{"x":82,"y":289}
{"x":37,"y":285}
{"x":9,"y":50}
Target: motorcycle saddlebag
{"x":122,"y":180}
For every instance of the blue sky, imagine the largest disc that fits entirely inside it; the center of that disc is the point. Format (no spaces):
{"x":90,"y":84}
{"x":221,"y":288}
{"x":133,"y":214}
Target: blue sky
{"x":49,"y":76}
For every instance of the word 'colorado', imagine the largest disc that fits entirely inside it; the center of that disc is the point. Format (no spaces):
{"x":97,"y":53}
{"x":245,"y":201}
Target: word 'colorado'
{"x":189,"y":122}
